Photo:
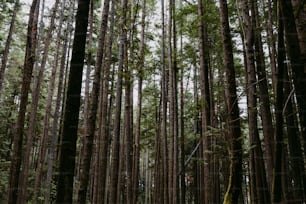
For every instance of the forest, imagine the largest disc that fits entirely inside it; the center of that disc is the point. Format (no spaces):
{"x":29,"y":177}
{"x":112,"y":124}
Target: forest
{"x":153,"y":101}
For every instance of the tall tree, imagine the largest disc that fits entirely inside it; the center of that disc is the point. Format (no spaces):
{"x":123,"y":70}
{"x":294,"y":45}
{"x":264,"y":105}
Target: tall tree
{"x":264,"y":96}
{"x":91,"y":122}
{"x":164,"y":106}
{"x":56,"y":114}
{"x":205,"y":106}
{"x":44,"y":137}
{"x":300,"y":16}
{"x":277,"y":185}
{"x":233,"y":120}
{"x":173,"y":120}
{"x":8,"y":44}
{"x":71,"y":113}
{"x":296,"y":61}
{"x":34,"y":108}
{"x":182,"y":175}
{"x":259,"y":188}
{"x":115,"y":170}
{"x":295,"y":42}
{"x":128,"y":102}
{"x":26,"y":81}
{"x":294,"y":140}
{"x":140,"y":69}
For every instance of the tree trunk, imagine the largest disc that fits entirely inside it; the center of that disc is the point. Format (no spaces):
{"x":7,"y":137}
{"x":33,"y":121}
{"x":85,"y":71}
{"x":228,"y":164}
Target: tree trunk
{"x":205,"y":106}
{"x":45,"y":133}
{"x":8,"y":45}
{"x":164,"y":95}
{"x":128,"y":132}
{"x":88,"y":85}
{"x":294,"y":142}
{"x":296,"y":61}
{"x":234,"y":131}
{"x":173,"y":121}
{"x":56,"y":116}
{"x":258,"y":177}
{"x":300,"y":18}
{"x":115,"y":179}
{"x":33,"y":115}
{"x":29,"y":61}
{"x":277,"y":188}
{"x":182,"y":186}
{"x":91,"y":125}
{"x":71,"y":115}
{"x":264,"y":96}
{"x":157,"y":194}
{"x":272,"y":50}
{"x":140,"y":68}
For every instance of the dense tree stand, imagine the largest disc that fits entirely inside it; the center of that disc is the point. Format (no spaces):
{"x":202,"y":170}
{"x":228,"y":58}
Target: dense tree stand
{"x":179,"y":102}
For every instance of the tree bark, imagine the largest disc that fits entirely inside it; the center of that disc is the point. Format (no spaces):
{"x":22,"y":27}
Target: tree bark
{"x":259,"y":188}
{"x":205,"y":106}
{"x":8,"y":45}
{"x":296,"y":61}
{"x":234,"y":130}
{"x":44,"y":138}
{"x":173,"y":121}
{"x":182,"y":175}
{"x":264,"y":96}
{"x":140,"y":69}
{"x":29,"y":61}
{"x":88,"y":84}
{"x":91,"y":122}
{"x":164,"y":95}
{"x":294,"y":141}
{"x":300,"y":19}
{"x":115,"y":179}
{"x":71,"y":116}
{"x":33,"y":114}
{"x":277,"y":188}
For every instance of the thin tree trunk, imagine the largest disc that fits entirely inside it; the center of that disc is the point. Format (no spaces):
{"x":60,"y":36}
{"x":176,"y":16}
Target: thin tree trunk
{"x":157,"y":194}
{"x":121,"y":194}
{"x":71,"y":115}
{"x":128,"y":132}
{"x":45,"y":132}
{"x":33,"y":114}
{"x":196,"y":132}
{"x":205,"y":106}
{"x":140,"y":68}
{"x":56,"y":116}
{"x":264,"y":96}
{"x":234,"y":132}
{"x":46,"y":140}
{"x":164,"y":95}
{"x":182,"y":134}
{"x":258,"y":177}
{"x":8,"y":45}
{"x":272,"y":52}
{"x":115,"y":179}
{"x":277,"y":188}
{"x":173,"y":121}
{"x":171,"y":105}
{"x":29,"y":61}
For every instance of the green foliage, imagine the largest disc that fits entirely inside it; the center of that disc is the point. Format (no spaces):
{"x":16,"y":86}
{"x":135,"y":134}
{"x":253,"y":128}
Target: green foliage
{"x":4,"y":169}
{"x":149,"y":124}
